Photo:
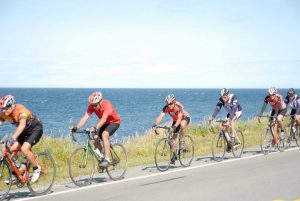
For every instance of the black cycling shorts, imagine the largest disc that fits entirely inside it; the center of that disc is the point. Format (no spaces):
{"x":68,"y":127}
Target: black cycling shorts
{"x":187,"y":119}
{"x":110,"y":128}
{"x":282,"y":112}
{"x":31,"y":136}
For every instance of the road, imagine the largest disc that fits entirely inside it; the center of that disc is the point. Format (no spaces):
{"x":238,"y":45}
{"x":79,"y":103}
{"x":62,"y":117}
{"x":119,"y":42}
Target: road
{"x":254,"y":177}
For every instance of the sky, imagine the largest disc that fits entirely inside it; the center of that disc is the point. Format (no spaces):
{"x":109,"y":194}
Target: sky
{"x":150,"y":44}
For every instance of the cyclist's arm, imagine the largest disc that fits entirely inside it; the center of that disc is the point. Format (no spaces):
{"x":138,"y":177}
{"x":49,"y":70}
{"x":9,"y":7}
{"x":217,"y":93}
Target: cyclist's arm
{"x":263,"y":109}
{"x":217,"y":110}
{"x":20,"y":128}
{"x":83,"y":120}
{"x":180,"y":115}
{"x":159,"y":118}
{"x":102,"y":121}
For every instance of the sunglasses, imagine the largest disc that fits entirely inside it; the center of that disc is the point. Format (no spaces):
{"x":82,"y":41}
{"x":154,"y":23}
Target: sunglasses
{"x":95,"y":105}
{"x":171,"y":103}
{"x":5,"y":108}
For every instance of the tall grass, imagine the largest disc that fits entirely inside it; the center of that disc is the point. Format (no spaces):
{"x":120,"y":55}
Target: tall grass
{"x":141,"y":149}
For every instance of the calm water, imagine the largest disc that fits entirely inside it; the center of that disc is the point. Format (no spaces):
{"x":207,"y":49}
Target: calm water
{"x":138,"y":108}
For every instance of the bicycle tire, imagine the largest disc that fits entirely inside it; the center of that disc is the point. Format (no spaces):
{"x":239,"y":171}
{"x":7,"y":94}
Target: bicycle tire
{"x":5,"y":174}
{"x":47,"y":175}
{"x":218,"y":146}
{"x":266,"y":141}
{"x":296,"y":136}
{"x":118,"y":168}
{"x":82,"y":166}
{"x":186,"y":153}
{"x":162,"y":154}
{"x":238,"y":146}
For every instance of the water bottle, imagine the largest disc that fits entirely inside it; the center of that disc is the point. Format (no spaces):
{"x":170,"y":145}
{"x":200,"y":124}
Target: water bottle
{"x":23,"y":166}
{"x":98,"y":153}
{"x":17,"y":163}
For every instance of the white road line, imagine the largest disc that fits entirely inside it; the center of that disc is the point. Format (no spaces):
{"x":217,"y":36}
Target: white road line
{"x":152,"y":175}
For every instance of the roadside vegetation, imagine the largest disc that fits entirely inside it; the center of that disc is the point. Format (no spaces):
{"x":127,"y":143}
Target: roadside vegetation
{"x":141,"y":149}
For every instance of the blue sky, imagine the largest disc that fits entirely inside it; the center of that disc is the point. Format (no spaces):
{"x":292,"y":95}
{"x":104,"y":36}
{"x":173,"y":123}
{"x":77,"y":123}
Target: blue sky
{"x":156,"y":44}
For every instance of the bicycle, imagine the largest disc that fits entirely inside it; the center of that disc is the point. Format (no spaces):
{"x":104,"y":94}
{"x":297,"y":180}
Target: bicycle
{"x":163,"y":149}
{"x":220,"y":144}
{"x":83,"y":160}
{"x":294,"y":132}
{"x":270,"y":138}
{"x":23,"y":176}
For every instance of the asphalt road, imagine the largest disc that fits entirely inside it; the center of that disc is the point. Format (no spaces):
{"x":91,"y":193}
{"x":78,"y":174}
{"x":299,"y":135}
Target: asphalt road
{"x":254,"y":177}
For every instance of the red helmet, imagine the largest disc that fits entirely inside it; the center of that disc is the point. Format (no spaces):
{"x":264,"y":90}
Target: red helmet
{"x":95,"y":97}
{"x":7,"y":101}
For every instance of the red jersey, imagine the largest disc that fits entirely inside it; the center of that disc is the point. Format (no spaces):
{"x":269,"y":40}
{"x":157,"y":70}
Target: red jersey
{"x":176,"y":110}
{"x":274,"y":101}
{"x":108,"y":109}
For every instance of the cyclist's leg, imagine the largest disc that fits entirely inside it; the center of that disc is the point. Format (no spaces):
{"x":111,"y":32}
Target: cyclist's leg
{"x":13,"y":149}
{"x":234,"y":122}
{"x":183,"y":125}
{"x":280,"y":115}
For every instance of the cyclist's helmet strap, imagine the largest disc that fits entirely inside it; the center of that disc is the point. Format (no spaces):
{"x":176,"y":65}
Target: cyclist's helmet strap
{"x":95,"y":97}
{"x":170,"y":99}
{"x":7,"y":101}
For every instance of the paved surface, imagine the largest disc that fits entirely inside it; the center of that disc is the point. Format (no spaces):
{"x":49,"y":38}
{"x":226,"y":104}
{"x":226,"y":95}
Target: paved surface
{"x":254,"y":177}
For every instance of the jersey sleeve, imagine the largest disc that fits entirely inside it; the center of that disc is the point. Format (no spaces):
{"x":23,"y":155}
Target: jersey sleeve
{"x":90,"y":109}
{"x":217,"y":109}
{"x":165,"y":109}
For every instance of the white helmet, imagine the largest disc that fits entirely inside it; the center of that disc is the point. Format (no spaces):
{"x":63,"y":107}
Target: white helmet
{"x":272,"y":91}
{"x":7,"y":101}
{"x":95,"y":97}
{"x":170,"y":98}
{"x":224,"y":92}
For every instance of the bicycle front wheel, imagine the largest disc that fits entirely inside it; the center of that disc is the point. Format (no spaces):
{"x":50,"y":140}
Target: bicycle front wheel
{"x":296,"y":135}
{"x":218,"y":147}
{"x":266,"y":141}
{"x":81,"y":166}
{"x":5,"y":179}
{"x":47,"y":175}
{"x":118,"y":166}
{"x":238,"y":144}
{"x":163,"y":154}
{"x":186,"y":152}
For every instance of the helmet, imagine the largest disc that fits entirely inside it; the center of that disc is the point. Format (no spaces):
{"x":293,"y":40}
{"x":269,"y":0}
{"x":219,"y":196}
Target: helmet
{"x":170,"y":98}
{"x":7,"y":101}
{"x":272,"y":91}
{"x":291,"y":92}
{"x":224,"y":92}
{"x":95,"y":97}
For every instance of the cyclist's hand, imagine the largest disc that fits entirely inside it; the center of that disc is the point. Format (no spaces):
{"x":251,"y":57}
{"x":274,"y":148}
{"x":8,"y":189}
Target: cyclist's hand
{"x":173,"y":129}
{"x":154,"y":126}
{"x":259,"y":118}
{"x":209,"y":122}
{"x":73,"y":129}
{"x":10,"y":142}
{"x":93,"y":129}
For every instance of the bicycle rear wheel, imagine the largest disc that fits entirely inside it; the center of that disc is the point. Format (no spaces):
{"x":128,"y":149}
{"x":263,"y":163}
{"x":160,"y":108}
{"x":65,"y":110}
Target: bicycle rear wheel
{"x":266,"y":142}
{"x":296,"y":135}
{"x":186,"y":152}
{"x":81,"y":166}
{"x":218,"y":146}
{"x":47,"y":175}
{"x":118,"y":167}
{"x":238,"y":144}
{"x":5,"y":175}
{"x":163,"y":154}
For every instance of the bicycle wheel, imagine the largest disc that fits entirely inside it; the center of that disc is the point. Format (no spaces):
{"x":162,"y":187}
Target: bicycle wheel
{"x":163,"y":154}
{"x":5,"y":179}
{"x":266,"y":141}
{"x":118,"y":167}
{"x":238,"y":144}
{"x":218,"y":147}
{"x":47,"y":175}
{"x":296,"y":135}
{"x":281,"y":144}
{"x":82,"y":166}
{"x":186,"y":152}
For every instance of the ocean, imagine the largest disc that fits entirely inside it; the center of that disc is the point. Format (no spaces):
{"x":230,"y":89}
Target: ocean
{"x":59,"y":108}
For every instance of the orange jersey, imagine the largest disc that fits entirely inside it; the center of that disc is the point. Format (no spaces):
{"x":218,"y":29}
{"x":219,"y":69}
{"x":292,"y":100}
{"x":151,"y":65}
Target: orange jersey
{"x":19,"y":112}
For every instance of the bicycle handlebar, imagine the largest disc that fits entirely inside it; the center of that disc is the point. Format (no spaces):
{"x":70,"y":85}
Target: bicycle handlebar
{"x":85,"y":131}
{"x":161,"y":127}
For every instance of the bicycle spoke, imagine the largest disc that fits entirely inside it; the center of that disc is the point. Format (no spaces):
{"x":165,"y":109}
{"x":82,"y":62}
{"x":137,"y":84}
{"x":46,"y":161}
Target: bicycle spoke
{"x":118,"y":158}
{"x":186,"y":152}
{"x":163,"y":154}
{"x":218,"y":147}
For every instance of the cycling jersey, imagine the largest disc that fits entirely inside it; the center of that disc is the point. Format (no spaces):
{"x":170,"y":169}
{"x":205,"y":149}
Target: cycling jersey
{"x":232,"y":106}
{"x":107,"y":109}
{"x":295,"y":103}
{"x":175,"y":111}
{"x":273,"y":102}
{"x":18,"y":113}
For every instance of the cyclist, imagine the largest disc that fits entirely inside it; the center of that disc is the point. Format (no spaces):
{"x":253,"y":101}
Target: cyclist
{"x":181,"y":119}
{"x":28,"y":132}
{"x":278,"y":108}
{"x":109,"y":122}
{"x":234,"y":109}
{"x":294,"y":101}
